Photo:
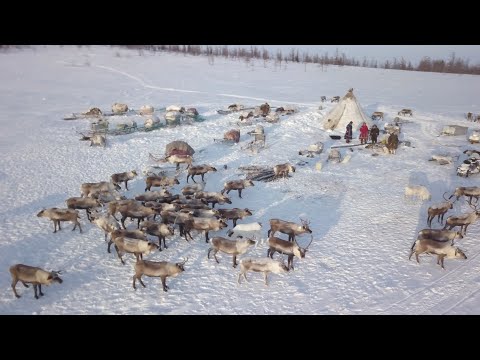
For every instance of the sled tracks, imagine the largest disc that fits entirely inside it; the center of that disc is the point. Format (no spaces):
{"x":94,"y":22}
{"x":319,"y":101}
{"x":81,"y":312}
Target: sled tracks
{"x":444,"y":293}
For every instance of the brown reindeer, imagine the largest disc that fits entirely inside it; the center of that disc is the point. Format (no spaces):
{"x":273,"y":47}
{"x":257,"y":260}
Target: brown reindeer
{"x":288,"y":248}
{"x":163,"y":181}
{"x":234,"y":214}
{"x":290,"y":228}
{"x":232,"y":135}
{"x":377,"y":115}
{"x":57,"y":215}
{"x":123,"y":177}
{"x":179,"y":159}
{"x":199,"y":170}
{"x":161,"y":269}
{"x":439,"y":210}
{"x":392,"y":143}
{"x":232,"y":247}
{"x":236,"y":185}
{"x":32,"y":275}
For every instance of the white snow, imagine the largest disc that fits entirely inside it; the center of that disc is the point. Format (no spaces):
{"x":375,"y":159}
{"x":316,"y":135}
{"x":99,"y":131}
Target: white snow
{"x":363,"y":227}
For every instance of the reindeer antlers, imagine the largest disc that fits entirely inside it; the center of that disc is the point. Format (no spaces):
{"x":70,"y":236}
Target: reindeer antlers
{"x":305,"y":222}
{"x":474,"y":207}
{"x":309,"y":243}
{"x":444,"y":196}
{"x":295,"y":240}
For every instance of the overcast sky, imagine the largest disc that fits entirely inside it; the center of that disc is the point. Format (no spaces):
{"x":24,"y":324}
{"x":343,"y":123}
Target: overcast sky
{"x":387,"y":52}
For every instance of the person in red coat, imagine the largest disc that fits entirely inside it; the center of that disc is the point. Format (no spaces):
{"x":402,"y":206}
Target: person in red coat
{"x":363,"y":133}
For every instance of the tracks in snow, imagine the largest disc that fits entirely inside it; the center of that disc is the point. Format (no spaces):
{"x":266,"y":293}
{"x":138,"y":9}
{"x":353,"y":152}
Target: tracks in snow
{"x":149,"y":86}
{"x":432,"y":298}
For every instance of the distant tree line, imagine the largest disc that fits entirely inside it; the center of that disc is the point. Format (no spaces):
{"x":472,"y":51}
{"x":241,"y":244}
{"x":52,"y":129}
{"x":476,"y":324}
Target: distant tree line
{"x":453,"y":65}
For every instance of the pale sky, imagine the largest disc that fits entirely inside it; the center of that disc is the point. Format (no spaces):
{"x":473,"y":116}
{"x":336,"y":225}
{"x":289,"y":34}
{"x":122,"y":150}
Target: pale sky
{"x":387,"y":52}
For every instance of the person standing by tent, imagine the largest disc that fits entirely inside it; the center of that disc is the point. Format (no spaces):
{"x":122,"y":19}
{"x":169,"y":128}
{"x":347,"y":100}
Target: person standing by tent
{"x":348,"y":134}
{"x":374,"y":132}
{"x":363,"y":133}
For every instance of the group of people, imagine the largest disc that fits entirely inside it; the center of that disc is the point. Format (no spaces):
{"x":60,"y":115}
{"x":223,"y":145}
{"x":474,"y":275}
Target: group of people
{"x":364,"y":131}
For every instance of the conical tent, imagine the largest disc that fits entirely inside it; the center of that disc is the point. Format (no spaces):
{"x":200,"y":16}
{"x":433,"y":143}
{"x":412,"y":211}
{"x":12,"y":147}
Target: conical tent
{"x":348,"y":109}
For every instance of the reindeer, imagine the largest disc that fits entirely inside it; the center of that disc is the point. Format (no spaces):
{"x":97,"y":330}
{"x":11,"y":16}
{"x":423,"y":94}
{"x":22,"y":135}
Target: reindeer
{"x":204,"y":224}
{"x":470,"y":116}
{"x":105,"y":222}
{"x":439,"y":235}
{"x":290,"y":228}
{"x":405,"y":112}
{"x":161,"y":269}
{"x":443,"y":249}
{"x":232,"y":135}
{"x":323,"y":98}
{"x":235,"y":107}
{"x":232,"y":247}
{"x":470,"y":152}
{"x":199,"y":170}
{"x":202,"y":213}
{"x":213,"y":197}
{"x":146,"y":110}
{"x":192,"y":189}
{"x":265,"y":265}
{"x":32,"y":275}
{"x":137,"y":212}
{"x":264,"y":109}
{"x":160,"y":181}
{"x":470,"y":192}
{"x":119,"y":108}
{"x":159,"y":230}
{"x":248,"y":230}
{"x":87,"y":189}
{"x":115,"y":206}
{"x":417,"y":191}
{"x":178,"y":108}
{"x":335,"y":99}
{"x":439,"y":210}
{"x":377,"y":115}
{"x":234,"y":214}
{"x":153,"y":195}
{"x":246,"y":115}
{"x":81,"y":203}
{"x":179,"y":159}
{"x":282,"y":170}
{"x":192,"y":203}
{"x":392,"y":143}
{"x":288,"y":248}
{"x":105,"y":196}
{"x":236,"y":185}
{"x":178,"y":218}
{"x":58,"y":215}
{"x":123,"y":177}
{"x":463,"y":220}
{"x":191,"y":112}
{"x":133,"y":246}
{"x":95,"y":111}
{"x":96,"y":139}
{"x":159,"y":207}
{"x":133,"y":234}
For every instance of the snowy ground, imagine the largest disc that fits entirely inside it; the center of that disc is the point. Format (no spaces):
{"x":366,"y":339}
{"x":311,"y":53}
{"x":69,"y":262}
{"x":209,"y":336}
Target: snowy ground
{"x":363,"y":227}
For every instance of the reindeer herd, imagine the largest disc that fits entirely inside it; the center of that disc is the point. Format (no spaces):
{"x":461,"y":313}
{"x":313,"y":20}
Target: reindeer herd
{"x":440,"y":242}
{"x":158,"y":215}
